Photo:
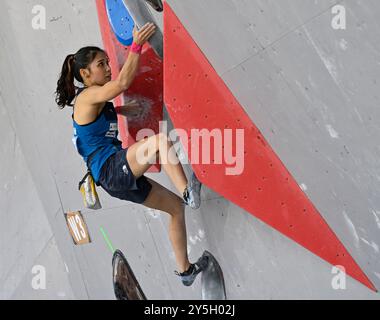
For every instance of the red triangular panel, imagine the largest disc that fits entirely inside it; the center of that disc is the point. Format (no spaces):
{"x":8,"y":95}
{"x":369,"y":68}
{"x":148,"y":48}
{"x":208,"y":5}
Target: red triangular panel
{"x":196,"y":97}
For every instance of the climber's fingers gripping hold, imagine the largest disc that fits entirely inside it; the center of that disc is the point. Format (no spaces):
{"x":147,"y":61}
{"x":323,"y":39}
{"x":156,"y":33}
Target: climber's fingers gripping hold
{"x":141,"y":36}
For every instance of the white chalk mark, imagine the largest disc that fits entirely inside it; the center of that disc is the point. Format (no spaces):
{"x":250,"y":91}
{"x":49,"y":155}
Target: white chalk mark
{"x":377,"y":219}
{"x":343,"y":44}
{"x":358,"y":114}
{"x":195,"y":239}
{"x":372,"y":244}
{"x":332,"y":132}
{"x":352,"y":229}
{"x":154,"y":213}
{"x":327,"y":61}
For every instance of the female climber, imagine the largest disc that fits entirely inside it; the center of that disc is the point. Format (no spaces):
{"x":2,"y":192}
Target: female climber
{"x":120,"y":172}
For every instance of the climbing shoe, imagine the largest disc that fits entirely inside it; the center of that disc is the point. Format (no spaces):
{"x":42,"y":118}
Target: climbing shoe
{"x":189,"y":276}
{"x":192,"y":193}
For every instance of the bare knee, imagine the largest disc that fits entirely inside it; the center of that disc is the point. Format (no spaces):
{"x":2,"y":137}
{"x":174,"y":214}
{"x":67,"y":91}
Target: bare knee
{"x":154,"y":144}
{"x":159,"y":142}
{"x":162,"y":136}
{"x":161,"y":139}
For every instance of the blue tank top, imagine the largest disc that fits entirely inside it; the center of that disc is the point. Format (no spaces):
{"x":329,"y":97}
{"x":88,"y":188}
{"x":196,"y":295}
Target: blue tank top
{"x":98,"y":138}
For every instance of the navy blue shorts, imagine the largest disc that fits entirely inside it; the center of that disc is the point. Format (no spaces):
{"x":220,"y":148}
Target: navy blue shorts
{"x":117,"y":179}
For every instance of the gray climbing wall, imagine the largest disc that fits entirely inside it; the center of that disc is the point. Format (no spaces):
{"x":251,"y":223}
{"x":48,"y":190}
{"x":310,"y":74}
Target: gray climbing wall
{"x":310,"y":89}
{"x":313,"y":92}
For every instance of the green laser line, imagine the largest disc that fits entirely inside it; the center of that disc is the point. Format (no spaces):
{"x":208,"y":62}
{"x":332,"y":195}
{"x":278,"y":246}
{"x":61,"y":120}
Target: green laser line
{"x":107,"y":240}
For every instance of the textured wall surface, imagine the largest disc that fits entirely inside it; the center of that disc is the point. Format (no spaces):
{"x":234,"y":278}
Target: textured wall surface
{"x":311,"y":90}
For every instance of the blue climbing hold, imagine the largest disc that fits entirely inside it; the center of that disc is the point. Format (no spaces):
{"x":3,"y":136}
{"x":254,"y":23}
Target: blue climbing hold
{"x":121,"y":21}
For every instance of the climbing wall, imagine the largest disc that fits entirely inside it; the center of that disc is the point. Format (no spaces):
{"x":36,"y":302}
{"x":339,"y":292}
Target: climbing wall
{"x":306,"y":96}
{"x":197,"y":97}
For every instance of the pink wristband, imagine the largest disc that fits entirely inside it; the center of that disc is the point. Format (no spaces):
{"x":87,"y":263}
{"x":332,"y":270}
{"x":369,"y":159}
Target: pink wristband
{"x":136,"y":48}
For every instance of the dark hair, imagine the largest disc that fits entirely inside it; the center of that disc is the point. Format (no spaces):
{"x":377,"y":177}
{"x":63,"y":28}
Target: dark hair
{"x":65,"y":92}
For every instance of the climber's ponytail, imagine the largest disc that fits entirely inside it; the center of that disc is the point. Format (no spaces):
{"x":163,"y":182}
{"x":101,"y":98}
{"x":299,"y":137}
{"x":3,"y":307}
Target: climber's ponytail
{"x":66,"y":89}
{"x":65,"y":86}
